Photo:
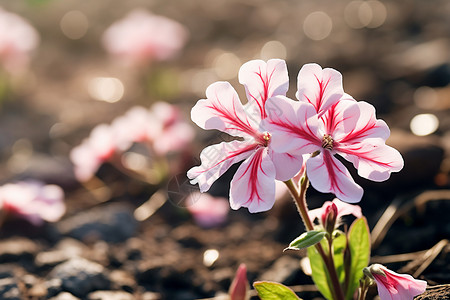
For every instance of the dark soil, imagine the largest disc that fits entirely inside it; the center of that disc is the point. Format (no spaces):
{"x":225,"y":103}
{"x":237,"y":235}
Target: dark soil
{"x":99,"y":250}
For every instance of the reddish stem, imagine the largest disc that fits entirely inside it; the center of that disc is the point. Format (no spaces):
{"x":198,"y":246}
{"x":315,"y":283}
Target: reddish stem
{"x":300,"y":201}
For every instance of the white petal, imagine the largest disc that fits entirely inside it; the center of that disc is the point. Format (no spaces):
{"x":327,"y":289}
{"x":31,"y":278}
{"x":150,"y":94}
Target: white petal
{"x":373,"y":161}
{"x":253,"y":185}
{"x":293,"y":125}
{"x":216,"y":160}
{"x":222,"y":110}
{"x":329,"y":175}
{"x":286,"y":165}
{"x":263,"y":80}
{"x":321,"y":88}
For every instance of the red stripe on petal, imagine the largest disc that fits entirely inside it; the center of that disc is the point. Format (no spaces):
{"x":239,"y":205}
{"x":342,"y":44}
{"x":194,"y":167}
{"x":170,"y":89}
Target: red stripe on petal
{"x":322,"y":87}
{"x":232,"y":118}
{"x":231,"y":155}
{"x":331,"y":169}
{"x":254,"y":167}
{"x":264,"y":94}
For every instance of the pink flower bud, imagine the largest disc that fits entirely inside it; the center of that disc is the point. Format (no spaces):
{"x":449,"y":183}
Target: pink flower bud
{"x":329,"y":218}
{"x":338,"y":209}
{"x":239,"y":286}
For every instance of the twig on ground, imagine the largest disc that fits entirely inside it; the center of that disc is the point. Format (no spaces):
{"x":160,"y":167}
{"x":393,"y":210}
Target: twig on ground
{"x":394,"y":211}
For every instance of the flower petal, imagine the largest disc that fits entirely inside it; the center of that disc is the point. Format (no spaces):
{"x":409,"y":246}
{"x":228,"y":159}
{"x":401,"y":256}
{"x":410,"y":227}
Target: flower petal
{"x":329,"y":175}
{"x":293,"y":125}
{"x":398,"y":286}
{"x":253,"y":185}
{"x":345,"y":209}
{"x":340,"y":119}
{"x":320,"y":87}
{"x":359,"y":126}
{"x":216,"y":160}
{"x":373,"y":161}
{"x":222,"y":110}
{"x":263,"y":80}
{"x":407,"y":285}
{"x":286,"y":165}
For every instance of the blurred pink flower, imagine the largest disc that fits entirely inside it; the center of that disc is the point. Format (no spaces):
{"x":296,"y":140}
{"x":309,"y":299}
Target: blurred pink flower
{"x":325,"y":122}
{"x":142,"y":37}
{"x":239,"y":287}
{"x":137,"y":125}
{"x":101,"y":145}
{"x":341,"y":207}
{"x":207,"y":210}
{"x":253,"y":185}
{"x":394,"y":286}
{"x":173,"y":133}
{"x":17,"y":40}
{"x":161,"y":128}
{"x":33,"y":201}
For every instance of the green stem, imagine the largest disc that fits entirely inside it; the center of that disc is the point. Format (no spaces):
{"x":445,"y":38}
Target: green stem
{"x":300,"y":201}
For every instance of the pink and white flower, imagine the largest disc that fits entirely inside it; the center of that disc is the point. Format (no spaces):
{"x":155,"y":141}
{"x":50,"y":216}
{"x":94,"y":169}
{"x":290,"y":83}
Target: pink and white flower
{"x":17,"y":41}
{"x":253,"y":185}
{"x":394,"y":286}
{"x":33,"y":201}
{"x":325,"y":122}
{"x":142,"y":37}
{"x":341,"y":208}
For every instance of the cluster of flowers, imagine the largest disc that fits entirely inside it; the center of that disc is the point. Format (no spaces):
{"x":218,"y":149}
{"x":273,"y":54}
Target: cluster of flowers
{"x":277,"y":135}
{"x":33,"y":201}
{"x":161,"y":128}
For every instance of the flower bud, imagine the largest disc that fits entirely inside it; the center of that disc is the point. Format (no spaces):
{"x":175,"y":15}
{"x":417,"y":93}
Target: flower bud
{"x":239,"y":286}
{"x":329,"y":218}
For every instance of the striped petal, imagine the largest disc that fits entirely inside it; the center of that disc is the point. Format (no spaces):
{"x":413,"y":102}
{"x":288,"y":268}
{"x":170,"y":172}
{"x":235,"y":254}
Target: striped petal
{"x":359,"y":123}
{"x":293,"y":125}
{"x":222,"y":110}
{"x":216,"y":160}
{"x":329,"y":175}
{"x":261,"y":81}
{"x":320,"y":87}
{"x":253,"y":185}
{"x":374,"y":162}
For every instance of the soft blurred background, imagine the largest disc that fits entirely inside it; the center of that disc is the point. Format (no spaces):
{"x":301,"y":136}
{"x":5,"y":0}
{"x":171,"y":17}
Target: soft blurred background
{"x":70,"y":78}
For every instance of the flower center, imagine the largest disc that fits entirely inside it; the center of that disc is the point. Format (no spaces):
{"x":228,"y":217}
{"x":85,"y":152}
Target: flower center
{"x":327,"y":142}
{"x":265,"y":138}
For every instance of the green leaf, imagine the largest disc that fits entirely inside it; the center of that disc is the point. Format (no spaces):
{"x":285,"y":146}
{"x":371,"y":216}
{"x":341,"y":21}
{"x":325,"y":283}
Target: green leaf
{"x":268,"y":290}
{"x":306,"y":240}
{"x":339,"y":244}
{"x":359,"y":242}
{"x":320,"y":274}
